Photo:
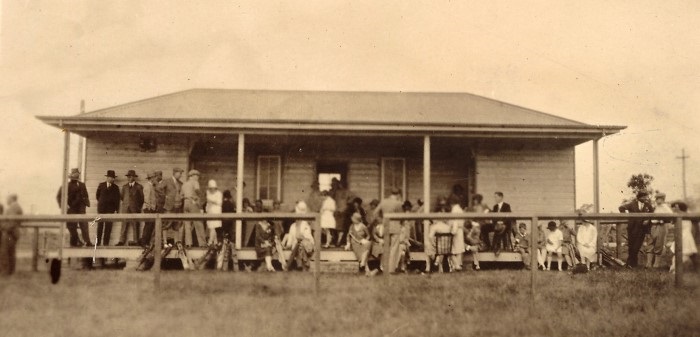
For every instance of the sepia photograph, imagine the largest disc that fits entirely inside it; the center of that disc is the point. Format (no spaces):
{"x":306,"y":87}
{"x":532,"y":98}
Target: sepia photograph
{"x":349,"y":168}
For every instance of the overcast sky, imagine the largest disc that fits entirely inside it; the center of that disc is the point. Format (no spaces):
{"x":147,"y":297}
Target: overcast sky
{"x":631,"y":63}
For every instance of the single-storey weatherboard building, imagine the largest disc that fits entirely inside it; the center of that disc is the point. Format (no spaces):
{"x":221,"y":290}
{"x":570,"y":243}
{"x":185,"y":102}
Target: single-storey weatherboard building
{"x":279,"y":142}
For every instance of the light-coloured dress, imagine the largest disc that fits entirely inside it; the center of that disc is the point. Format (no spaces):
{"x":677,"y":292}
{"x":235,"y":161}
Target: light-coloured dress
{"x":556,"y":237}
{"x":457,"y":232}
{"x":327,"y":209}
{"x":689,"y":247}
{"x":214,"y":202}
{"x":587,"y":234}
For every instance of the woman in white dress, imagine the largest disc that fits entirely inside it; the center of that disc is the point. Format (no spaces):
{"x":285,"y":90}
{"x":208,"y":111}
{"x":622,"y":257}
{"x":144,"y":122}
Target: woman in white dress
{"x":586,"y":242}
{"x":688,"y":242}
{"x":457,"y":238}
{"x":555,"y":238}
{"x":327,"y":217}
{"x":214,"y":201}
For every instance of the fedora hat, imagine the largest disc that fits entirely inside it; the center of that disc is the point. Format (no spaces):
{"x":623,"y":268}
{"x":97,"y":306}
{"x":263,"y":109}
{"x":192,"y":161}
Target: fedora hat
{"x":193,"y":173}
{"x":151,"y":174}
{"x":110,"y":173}
{"x":131,"y":173}
{"x":74,"y":171}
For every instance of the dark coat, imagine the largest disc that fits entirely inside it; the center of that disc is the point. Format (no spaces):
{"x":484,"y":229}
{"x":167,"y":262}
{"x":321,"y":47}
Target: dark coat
{"x":108,"y":199}
{"x":504,"y":209}
{"x":78,"y":198}
{"x":633,"y":207}
{"x":132,"y":198}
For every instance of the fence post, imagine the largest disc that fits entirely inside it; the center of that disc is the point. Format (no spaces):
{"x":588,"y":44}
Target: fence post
{"x":35,"y":250}
{"x":678,"y":238}
{"x":317,"y":254}
{"x":157,"y":246}
{"x":534,"y":236}
{"x":385,"y":261}
{"x":618,"y":240}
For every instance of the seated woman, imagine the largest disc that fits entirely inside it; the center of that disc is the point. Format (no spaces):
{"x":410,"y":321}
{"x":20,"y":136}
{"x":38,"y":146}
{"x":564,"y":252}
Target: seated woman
{"x":555,"y":238}
{"x":569,"y":243}
{"x":586,"y":240}
{"x":358,"y":240}
{"x":300,"y":240}
{"x":264,"y":243}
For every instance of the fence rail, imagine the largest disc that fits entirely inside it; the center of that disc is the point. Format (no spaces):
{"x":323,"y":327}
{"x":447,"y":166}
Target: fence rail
{"x":58,"y":221}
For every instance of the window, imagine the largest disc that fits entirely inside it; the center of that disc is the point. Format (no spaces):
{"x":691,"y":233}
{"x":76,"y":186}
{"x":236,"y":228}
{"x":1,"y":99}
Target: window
{"x":393,"y":175}
{"x":269,"y":178}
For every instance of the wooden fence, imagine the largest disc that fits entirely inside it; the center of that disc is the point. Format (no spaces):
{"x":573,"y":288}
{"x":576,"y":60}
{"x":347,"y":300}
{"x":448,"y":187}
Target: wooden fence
{"x":58,"y":221}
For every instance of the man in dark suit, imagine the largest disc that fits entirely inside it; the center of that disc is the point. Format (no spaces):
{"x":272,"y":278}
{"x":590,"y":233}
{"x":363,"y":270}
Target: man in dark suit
{"x":502,"y":228}
{"x":132,"y":202}
{"x":108,"y":198}
{"x":78,"y":201}
{"x":169,"y":200}
{"x":636,"y":228}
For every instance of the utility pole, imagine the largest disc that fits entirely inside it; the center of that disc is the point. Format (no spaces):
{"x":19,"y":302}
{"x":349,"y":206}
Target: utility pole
{"x":683,"y":157}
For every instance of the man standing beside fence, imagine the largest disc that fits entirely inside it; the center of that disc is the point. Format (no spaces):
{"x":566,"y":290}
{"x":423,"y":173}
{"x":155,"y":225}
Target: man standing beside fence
{"x":132,"y":202}
{"x":190,"y":195}
{"x":78,"y":201}
{"x":108,"y":199}
{"x":149,"y":206}
{"x":636,"y":228}
{"x":657,"y":234}
{"x":9,"y":235}
{"x":170,"y":201}
{"x":391,"y":204}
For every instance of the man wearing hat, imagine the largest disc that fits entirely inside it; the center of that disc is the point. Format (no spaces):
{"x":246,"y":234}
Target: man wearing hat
{"x":149,"y":206}
{"x":658,"y":232}
{"x":132,"y":202}
{"x":391,"y":204}
{"x":169,"y":200}
{"x":192,"y":204}
{"x":108,"y":199}
{"x":636,"y":228}
{"x":77,"y":201}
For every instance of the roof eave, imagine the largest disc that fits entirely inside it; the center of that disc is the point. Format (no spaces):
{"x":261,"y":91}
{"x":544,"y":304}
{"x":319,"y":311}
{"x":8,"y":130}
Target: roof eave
{"x":156,"y":125}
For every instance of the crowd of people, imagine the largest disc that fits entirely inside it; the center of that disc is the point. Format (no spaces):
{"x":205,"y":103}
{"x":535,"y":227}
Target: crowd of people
{"x":345,"y":223}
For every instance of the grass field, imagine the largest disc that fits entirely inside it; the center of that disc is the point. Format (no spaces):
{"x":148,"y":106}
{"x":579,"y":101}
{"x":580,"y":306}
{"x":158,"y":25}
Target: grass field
{"x":487,"y":303}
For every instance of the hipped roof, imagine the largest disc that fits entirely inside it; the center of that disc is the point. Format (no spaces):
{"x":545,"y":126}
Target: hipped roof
{"x":216,"y":110}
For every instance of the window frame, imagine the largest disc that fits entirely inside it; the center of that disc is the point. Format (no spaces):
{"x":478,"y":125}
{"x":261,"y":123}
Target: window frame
{"x":383,"y":171}
{"x":279,"y":177}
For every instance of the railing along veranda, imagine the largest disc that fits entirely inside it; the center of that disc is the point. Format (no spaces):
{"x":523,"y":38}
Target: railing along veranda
{"x":58,"y":221}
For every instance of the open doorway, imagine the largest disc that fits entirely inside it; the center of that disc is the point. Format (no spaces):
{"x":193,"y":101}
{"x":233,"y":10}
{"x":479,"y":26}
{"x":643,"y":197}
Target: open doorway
{"x":325,"y":172}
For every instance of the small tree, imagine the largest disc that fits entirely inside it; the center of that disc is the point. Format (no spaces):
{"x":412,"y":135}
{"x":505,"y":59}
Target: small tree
{"x":640,"y":183}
